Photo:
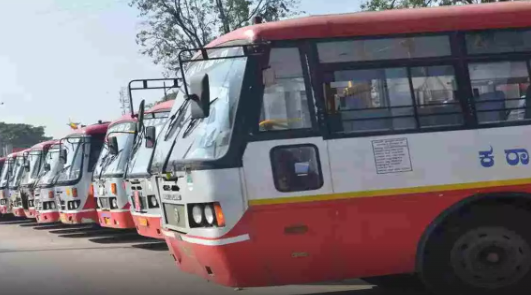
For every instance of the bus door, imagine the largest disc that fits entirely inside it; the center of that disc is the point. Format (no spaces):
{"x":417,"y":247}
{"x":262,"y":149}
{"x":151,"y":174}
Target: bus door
{"x":286,"y":168}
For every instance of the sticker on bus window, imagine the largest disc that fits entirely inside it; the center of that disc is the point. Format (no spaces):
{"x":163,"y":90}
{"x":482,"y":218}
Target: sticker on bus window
{"x":391,"y":155}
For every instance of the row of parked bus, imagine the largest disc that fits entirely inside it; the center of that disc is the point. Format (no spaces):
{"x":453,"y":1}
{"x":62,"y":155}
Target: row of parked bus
{"x":85,"y":177}
{"x":392,"y":146}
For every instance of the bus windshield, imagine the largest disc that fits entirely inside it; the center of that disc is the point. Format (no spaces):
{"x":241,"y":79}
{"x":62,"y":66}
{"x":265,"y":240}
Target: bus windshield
{"x":6,"y":173}
{"x":74,"y":162}
{"x":141,"y":155}
{"x":15,"y":177}
{"x":208,"y":138}
{"x":34,"y":160}
{"x":52,"y":159}
{"x":112,"y":165}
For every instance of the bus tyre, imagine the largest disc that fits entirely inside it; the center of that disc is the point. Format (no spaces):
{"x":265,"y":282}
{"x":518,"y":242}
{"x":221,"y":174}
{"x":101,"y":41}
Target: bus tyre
{"x":407,"y":281}
{"x":486,"y":250}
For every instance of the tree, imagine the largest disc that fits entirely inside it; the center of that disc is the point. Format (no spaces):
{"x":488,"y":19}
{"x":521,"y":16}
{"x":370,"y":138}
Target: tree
{"x":169,"y":96}
{"x":21,"y":135}
{"x":377,"y":5}
{"x":172,"y":25}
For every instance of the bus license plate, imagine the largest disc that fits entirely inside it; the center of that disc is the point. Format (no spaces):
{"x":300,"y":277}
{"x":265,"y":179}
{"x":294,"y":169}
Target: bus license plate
{"x":107,"y":220}
{"x":63,"y":217}
{"x":143,"y":221}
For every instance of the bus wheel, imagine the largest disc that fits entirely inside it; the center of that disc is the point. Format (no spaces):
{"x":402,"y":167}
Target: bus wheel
{"x":486,"y":251}
{"x":397,"y":282}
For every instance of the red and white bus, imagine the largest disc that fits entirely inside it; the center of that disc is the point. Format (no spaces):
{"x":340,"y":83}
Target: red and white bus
{"x":7,"y":171}
{"x":108,"y":185}
{"x":34,"y":163}
{"x":15,"y":179}
{"x":141,"y":188}
{"x":356,"y":145}
{"x":80,"y":150}
{"x":46,"y":204}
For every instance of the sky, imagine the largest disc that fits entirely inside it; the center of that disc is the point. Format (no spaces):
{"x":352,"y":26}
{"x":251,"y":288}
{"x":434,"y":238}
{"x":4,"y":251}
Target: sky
{"x":64,"y":60}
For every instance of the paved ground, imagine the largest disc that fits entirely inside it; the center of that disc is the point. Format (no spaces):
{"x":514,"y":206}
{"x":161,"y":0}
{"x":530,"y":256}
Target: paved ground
{"x":37,"y":259}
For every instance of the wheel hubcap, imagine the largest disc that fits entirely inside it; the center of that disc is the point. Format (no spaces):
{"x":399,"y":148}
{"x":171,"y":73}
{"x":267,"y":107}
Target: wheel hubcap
{"x":491,"y":257}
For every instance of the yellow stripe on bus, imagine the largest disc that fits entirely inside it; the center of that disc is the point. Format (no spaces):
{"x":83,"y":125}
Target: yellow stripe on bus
{"x":392,"y":192}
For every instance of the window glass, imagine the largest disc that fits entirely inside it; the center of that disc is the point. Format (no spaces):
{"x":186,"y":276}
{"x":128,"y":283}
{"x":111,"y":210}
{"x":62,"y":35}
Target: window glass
{"x":369,"y":100}
{"x":285,"y":103}
{"x":435,"y":95}
{"x":378,"y":49}
{"x":498,"y":41}
{"x":499,"y":90}
{"x":296,"y":168}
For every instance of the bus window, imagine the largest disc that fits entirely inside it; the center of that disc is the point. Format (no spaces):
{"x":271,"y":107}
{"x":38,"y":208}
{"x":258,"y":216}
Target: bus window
{"x":381,"y":49}
{"x":499,"y":89}
{"x":369,"y":100}
{"x":285,"y":103}
{"x":435,"y":89}
{"x":498,"y":41}
{"x":296,"y":168}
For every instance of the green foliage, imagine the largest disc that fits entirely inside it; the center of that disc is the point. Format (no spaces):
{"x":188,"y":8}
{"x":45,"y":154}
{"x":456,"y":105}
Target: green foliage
{"x":172,"y":25}
{"x":21,"y":135}
{"x":169,"y":96}
{"x":377,"y":5}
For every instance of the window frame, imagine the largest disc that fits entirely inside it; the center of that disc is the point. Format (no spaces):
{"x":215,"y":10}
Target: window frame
{"x":313,"y":130}
{"x":289,"y":146}
{"x":459,"y":59}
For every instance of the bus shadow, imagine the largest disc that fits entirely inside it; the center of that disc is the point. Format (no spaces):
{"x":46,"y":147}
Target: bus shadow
{"x":89,"y":233}
{"x":74,"y":230}
{"x":31,"y":223}
{"x":374,"y":291}
{"x":55,"y":225}
{"x":15,"y":221}
{"x":153,"y":246}
{"x":120,"y":237}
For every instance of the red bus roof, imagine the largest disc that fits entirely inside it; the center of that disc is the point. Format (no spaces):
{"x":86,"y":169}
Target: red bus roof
{"x":399,"y":21}
{"x":98,"y":128}
{"x":44,"y":145}
{"x":123,"y":119}
{"x":3,"y":159}
{"x":161,"y":107}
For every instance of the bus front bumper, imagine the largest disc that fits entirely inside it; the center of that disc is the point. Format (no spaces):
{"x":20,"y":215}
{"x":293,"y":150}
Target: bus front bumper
{"x":148,"y":225}
{"x":19,"y":212}
{"x":85,"y":216}
{"x":48,"y":216}
{"x":121,"y":219}
{"x":30,"y":213}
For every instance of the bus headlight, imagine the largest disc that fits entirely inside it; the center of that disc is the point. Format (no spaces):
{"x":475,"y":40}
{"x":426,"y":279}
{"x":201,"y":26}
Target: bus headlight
{"x":153,"y":201}
{"x":197,"y":214}
{"x":209,"y":214}
{"x":115,"y":203}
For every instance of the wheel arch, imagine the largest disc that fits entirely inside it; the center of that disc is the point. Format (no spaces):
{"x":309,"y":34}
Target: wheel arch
{"x":512,"y":198}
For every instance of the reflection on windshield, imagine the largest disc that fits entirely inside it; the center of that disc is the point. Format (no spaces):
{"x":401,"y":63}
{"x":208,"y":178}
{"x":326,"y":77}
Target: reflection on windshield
{"x":139,"y":163}
{"x":115,"y":164}
{"x":34,"y":160}
{"x":8,"y":165}
{"x":72,"y":167}
{"x":52,"y":158}
{"x":14,"y":178}
{"x":207,"y":138}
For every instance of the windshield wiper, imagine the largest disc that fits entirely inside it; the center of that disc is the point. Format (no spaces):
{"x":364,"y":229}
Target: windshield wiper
{"x":176,"y":119}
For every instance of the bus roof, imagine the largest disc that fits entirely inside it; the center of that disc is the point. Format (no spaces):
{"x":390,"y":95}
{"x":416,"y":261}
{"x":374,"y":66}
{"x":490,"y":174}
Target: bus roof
{"x":98,"y":128}
{"x":398,"y":21}
{"x":123,"y":119}
{"x":44,"y":145}
{"x":3,"y":159}
{"x":20,"y":153}
{"x":161,"y":107}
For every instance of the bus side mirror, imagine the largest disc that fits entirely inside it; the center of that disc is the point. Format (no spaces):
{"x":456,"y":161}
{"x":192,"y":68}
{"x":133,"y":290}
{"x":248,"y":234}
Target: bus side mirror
{"x":150,"y":136}
{"x":200,"y":96}
{"x":47,"y":167}
{"x":26,"y":166}
{"x":112,"y":144}
{"x":63,"y":155}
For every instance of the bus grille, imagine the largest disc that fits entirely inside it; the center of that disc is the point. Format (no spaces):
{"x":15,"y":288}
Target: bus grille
{"x":175,"y":215}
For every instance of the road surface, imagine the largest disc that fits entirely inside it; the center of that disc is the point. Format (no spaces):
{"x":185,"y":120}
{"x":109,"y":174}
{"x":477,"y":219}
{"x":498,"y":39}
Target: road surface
{"x":36,"y":259}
